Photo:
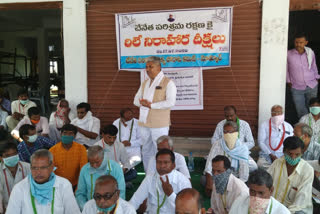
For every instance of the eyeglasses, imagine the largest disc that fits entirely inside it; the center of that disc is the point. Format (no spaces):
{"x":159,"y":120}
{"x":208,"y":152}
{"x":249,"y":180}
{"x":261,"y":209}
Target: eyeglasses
{"x":41,"y":168}
{"x":105,"y":197}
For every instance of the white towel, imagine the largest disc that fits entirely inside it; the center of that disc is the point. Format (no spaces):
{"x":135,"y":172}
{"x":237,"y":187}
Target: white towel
{"x":309,"y":55}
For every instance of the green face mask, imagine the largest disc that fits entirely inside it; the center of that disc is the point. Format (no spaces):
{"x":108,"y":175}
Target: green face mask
{"x":292,"y":161}
{"x":315,"y":110}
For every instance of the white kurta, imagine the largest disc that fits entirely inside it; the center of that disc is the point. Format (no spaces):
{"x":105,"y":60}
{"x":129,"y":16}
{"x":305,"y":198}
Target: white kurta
{"x":117,"y":152}
{"x":148,"y":190}
{"x":42,"y":127}
{"x":134,"y":151}
{"x":123,"y":207}
{"x":180,"y":162}
{"x":64,"y":200}
{"x":22,"y":172}
{"x":241,"y":206}
{"x":57,"y":122}
{"x":222,"y":203}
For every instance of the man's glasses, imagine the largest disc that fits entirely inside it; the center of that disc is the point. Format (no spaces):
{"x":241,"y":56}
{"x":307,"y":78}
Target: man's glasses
{"x":105,"y":197}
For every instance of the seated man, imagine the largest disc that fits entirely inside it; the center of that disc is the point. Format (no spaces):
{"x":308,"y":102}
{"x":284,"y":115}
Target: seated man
{"x":312,"y":119}
{"x":61,"y":117}
{"x":34,"y":118}
{"x":311,"y":149}
{"x":12,"y":171}
{"x":160,"y":188}
{"x":98,"y":165}
{"x":165,"y":142}
{"x":68,"y":156}
{"x":3,"y":124}
{"x":31,"y":142}
{"x":292,"y":177}
{"x":226,"y":187}
{"x":116,"y":151}
{"x":42,"y":191}
{"x":106,"y":188}
{"x":316,"y":183}
{"x":188,"y":201}
{"x":260,"y":200}
{"x":129,"y":135}
{"x":5,"y":104}
{"x":19,"y":109}
{"x":88,"y":126}
{"x":231,"y":147}
{"x":271,"y":135}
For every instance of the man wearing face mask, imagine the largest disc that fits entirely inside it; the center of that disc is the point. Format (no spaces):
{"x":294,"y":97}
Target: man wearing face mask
{"x":311,"y":149}
{"x":231,"y":147}
{"x":106,"y":198}
{"x":98,"y":165}
{"x":31,"y":142}
{"x":129,"y":135}
{"x":19,"y":109}
{"x":271,"y":136}
{"x":292,"y":178}
{"x":34,"y":118}
{"x":69,"y":156}
{"x":12,"y":171}
{"x":260,"y":200}
{"x":312,"y":119}
{"x":226,"y":187}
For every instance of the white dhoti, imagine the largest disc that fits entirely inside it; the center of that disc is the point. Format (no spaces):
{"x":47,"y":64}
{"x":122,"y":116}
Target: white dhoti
{"x":149,"y":138}
{"x":134,"y":154}
{"x":54,"y":133}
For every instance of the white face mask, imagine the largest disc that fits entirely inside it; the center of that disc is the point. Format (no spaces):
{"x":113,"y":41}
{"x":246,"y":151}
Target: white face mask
{"x":231,"y":139}
{"x":277,"y":120}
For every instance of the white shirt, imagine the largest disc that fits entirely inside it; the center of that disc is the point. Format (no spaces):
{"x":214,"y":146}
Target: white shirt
{"x":23,"y":171}
{"x":135,"y":148}
{"x":3,"y":116}
{"x":216,"y":149}
{"x":116,"y":152}
{"x":123,"y":207}
{"x":42,"y":127}
{"x":170,"y":96}
{"x":64,"y":200}
{"x":276,"y":134}
{"x":235,"y":188}
{"x":17,"y":107}
{"x":241,"y":206}
{"x":148,"y":189}
{"x":295,"y":191}
{"x":80,"y":138}
{"x":245,"y":133}
{"x":180,"y":162}
{"x":57,"y":121}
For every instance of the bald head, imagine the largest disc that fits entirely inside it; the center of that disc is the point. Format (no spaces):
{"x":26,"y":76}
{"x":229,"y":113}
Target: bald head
{"x":188,"y":201}
{"x":106,"y":180}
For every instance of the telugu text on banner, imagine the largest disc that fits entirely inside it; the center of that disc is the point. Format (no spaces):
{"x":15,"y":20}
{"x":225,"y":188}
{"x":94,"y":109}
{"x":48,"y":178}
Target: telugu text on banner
{"x":181,"y":38}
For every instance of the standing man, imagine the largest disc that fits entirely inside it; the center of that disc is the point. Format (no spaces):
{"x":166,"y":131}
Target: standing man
{"x":155,"y":97}
{"x":302,"y":74}
{"x":42,"y":191}
{"x":271,"y":136}
{"x":129,"y":135}
{"x":19,"y":109}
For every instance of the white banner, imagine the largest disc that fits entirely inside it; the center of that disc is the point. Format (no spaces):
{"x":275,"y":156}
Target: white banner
{"x":181,"y":38}
{"x":189,"y":85}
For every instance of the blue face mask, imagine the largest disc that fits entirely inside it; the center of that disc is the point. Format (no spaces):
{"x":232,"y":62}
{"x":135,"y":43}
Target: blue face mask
{"x":292,"y":161}
{"x":315,"y":110}
{"x":11,"y":161}
{"x":66,"y":139}
{"x":106,"y":210}
{"x":23,"y":102}
{"x":32,"y":138}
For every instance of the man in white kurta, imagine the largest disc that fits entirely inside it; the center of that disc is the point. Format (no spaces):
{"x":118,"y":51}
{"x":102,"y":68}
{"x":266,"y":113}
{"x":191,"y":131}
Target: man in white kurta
{"x":160,"y":189}
{"x":271,"y":136}
{"x":292,"y":178}
{"x":87,"y":125}
{"x":260,"y":199}
{"x":43,"y":191}
{"x":165,"y":142}
{"x":129,"y":135}
{"x":226,"y":187}
{"x":106,"y":187}
{"x":155,"y":97}
{"x":12,"y":171}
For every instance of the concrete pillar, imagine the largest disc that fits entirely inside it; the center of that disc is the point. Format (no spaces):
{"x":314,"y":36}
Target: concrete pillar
{"x":43,"y":54}
{"x":274,"y":40}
